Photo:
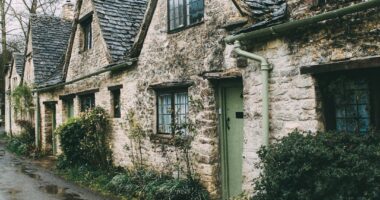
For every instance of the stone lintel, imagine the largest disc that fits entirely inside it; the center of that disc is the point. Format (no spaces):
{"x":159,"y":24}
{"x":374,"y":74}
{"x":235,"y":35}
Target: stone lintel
{"x":361,"y":63}
{"x":67,"y":96}
{"x":172,"y":85}
{"x":49,"y":102}
{"x":87,"y":92}
{"x":115,"y":87}
{"x":217,"y":75}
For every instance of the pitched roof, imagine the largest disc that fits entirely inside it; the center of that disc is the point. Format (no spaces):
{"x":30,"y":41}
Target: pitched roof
{"x":120,"y":21}
{"x":18,"y":59}
{"x":50,"y":37}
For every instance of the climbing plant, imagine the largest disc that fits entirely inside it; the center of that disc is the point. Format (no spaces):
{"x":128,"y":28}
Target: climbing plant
{"x":22,"y":100}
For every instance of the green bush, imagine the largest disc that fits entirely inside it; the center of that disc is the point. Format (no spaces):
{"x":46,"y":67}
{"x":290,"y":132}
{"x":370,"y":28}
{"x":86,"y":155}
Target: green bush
{"x":27,"y":135}
{"x":85,"y":140}
{"x":145,"y":184}
{"x":23,"y":144}
{"x":320,"y":166}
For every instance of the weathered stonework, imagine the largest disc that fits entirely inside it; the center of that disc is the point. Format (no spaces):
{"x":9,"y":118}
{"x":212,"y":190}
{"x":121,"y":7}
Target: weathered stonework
{"x":12,"y":80}
{"x":185,"y":55}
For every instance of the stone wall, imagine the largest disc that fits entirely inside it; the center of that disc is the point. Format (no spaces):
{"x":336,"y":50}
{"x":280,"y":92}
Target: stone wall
{"x":183,"y":56}
{"x":295,"y":98}
{"x":82,"y":61}
{"x":12,"y":80}
{"x":29,"y":66}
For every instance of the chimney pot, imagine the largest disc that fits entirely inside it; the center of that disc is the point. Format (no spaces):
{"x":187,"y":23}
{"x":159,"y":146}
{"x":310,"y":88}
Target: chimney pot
{"x":68,"y":10}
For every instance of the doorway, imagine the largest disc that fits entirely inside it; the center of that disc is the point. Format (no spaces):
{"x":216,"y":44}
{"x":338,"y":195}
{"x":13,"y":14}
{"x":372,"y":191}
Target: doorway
{"x":50,"y":125}
{"x":231,"y":120}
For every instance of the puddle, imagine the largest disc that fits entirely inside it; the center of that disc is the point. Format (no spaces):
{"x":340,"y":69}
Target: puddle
{"x":30,"y":173}
{"x":2,"y":152}
{"x":13,"y":191}
{"x":71,"y":196}
{"x":60,"y":191}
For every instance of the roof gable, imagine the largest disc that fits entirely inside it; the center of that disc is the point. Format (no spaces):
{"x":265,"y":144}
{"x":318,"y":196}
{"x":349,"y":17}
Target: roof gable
{"x":120,"y":22}
{"x":50,"y":36}
{"x":19,"y":60}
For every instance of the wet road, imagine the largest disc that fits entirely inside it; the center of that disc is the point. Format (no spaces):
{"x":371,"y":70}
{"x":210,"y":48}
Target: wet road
{"x":21,"y":180}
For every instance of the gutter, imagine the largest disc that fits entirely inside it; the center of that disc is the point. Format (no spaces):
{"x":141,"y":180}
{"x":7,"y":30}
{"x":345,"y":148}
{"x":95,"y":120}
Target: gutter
{"x":106,"y":69}
{"x":279,"y":30}
{"x":284,"y":28}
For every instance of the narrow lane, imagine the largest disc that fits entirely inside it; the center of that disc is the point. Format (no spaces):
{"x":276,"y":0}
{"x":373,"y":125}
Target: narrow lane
{"x":22,"y":180}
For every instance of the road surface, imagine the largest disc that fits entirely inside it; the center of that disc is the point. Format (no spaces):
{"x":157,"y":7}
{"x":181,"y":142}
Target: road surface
{"x":22,"y":180}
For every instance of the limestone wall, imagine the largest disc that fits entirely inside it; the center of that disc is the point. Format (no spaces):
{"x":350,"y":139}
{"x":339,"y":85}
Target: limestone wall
{"x":82,"y":61}
{"x":12,"y":80}
{"x":183,"y":56}
{"x":294,"y":98}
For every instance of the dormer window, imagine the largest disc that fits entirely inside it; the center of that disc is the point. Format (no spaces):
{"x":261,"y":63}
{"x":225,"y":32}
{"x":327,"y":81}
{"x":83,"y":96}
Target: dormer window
{"x":87,"y":33}
{"x":184,"y":13}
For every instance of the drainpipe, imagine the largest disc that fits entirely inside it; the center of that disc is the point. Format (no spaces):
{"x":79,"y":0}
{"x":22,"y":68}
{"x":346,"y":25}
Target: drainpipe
{"x":282,"y":29}
{"x":265,"y":68}
{"x":37,"y":120}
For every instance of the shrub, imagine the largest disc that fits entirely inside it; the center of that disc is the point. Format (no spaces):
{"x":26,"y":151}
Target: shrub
{"x":27,"y":135}
{"x":145,"y":184}
{"x":320,"y":166}
{"x":23,"y":144}
{"x":85,"y":140}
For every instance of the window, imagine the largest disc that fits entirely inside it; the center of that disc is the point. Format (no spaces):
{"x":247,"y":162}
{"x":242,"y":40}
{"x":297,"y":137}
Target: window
{"x":69,"y":107}
{"x":184,"y":13}
{"x":87,"y":102}
{"x":172,"y":109}
{"x":116,"y":103}
{"x":87,"y":33}
{"x":351,"y":102}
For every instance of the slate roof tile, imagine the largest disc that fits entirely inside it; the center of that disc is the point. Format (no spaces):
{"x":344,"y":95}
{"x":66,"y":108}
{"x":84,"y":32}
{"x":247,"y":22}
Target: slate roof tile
{"x":120,"y":21}
{"x":19,"y":60}
{"x":50,"y":37}
{"x":265,"y":12}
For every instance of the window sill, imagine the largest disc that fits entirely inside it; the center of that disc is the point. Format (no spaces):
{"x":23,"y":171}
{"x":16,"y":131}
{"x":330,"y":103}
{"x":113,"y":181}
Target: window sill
{"x":184,"y":28}
{"x":169,"y":139}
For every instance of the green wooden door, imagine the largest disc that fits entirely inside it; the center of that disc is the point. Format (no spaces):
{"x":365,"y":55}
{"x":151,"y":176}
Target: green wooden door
{"x":232,"y":140}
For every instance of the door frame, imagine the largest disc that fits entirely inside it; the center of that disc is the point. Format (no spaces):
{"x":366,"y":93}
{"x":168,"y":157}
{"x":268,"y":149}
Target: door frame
{"x":52,"y":106}
{"x":222,"y":129}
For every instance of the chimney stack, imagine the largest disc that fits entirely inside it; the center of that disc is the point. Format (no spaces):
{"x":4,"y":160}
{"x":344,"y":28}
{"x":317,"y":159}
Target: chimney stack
{"x":68,"y":11}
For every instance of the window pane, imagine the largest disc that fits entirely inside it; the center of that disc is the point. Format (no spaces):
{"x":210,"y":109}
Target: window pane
{"x":87,"y":102}
{"x":116,"y":103}
{"x":352,"y":105}
{"x":165,"y":113}
{"x":181,"y":110}
{"x":195,"y":11}
{"x":69,"y":108}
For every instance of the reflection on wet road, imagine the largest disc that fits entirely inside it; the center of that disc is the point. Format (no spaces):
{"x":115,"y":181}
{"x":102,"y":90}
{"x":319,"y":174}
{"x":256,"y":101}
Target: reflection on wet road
{"x":21,"y":180}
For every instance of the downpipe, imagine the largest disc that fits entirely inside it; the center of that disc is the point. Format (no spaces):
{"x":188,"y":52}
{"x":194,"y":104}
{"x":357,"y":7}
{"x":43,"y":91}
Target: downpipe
{"x":37,"y":121}
{"x":265,"y":67}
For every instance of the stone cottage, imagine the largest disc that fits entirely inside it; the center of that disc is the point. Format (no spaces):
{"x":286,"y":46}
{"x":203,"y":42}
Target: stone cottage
{"x":227,"y":75}
{"x":46,"y":46}
{"x":13,"y":76}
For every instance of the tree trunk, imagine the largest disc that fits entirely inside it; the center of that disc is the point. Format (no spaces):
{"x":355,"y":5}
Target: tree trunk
{"x":4,"y":56}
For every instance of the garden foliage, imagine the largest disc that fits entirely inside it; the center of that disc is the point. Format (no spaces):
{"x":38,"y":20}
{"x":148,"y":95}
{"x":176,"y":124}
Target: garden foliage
{"x":85,"y":140}
{"x":24,"y":143}
{"x":320,"y":166}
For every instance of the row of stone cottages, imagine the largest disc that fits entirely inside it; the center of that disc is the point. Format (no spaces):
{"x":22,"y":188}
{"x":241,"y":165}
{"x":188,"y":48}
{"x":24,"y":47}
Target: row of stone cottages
{"x":243,"y":72}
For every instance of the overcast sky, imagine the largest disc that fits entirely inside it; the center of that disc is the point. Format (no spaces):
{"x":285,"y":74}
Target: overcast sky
{"x":14,"y":30}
